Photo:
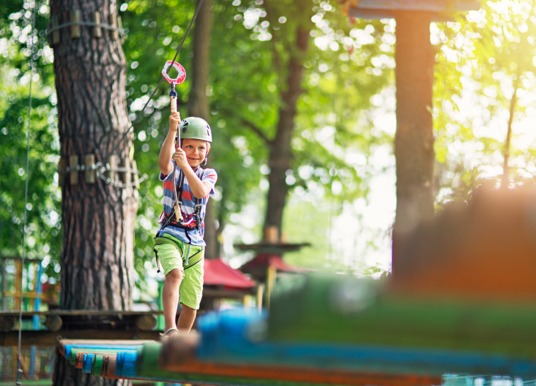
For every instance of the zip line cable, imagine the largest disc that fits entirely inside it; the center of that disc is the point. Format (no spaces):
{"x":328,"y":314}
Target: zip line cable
{"x":179,"y":48}
{"x":31,"y":46}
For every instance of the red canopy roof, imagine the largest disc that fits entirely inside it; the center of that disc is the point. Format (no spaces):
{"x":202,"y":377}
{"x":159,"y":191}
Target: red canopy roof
{"x":219,"y":273}
{"x":257,"y":267}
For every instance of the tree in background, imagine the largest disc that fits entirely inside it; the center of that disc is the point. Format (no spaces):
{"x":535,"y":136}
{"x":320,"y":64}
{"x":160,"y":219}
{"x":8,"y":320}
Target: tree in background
{"x":287,"y":78}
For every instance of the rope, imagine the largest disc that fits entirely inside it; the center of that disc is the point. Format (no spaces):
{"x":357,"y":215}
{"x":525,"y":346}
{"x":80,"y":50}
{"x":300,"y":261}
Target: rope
{"x":31,"y":45}
{"x":101,"y":171}
{"x":179,"y":48}
{"x":86,"y":24}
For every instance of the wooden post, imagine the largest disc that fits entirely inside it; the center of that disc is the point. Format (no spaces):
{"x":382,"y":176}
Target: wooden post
{"x":96,"y":30}
{"x":113,"y":24}
{"x":75,"y":27}
{"x":61,"y":171}
{"x":90,"y":168}
{"x":120,"y":28}
{"x":73,"y":169}
{"x":112,"y":168}
{"x":135,"y":174}
{"x":127,"y":177}
{"x":55,"y":37}
{"x":414,"y":138}
{"x":271,"y":234}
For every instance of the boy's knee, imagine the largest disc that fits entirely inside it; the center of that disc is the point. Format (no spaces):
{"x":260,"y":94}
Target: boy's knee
{"x":175,"y":275}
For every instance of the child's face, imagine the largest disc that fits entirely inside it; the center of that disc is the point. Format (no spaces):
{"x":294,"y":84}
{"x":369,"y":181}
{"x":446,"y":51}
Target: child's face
{"x":196,"y":151}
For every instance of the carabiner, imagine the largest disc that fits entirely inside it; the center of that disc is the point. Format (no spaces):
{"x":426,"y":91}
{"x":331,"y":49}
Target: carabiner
{"x":181,"y":73}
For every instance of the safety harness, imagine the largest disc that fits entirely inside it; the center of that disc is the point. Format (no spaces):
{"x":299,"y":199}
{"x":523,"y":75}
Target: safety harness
{"x":176,"y":219}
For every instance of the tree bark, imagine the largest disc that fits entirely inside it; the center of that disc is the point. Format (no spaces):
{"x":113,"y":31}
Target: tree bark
{"x":98,"y":217}
{"x":414,"y":140}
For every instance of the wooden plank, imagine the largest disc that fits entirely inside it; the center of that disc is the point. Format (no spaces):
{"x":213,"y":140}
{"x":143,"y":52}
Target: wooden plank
{"x":55,"y":320}
{"x":50,"y":339}
{"x":73,"y":169}
{"x":437,"y":10}
{"x":89,"y":168}
{"x":81,"y":313}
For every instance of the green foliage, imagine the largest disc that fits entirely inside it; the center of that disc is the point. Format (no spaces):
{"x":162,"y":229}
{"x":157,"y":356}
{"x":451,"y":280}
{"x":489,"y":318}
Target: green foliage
{"x":483,"y":59}
{"x":42,"y":215}
{"x":28,"y":144}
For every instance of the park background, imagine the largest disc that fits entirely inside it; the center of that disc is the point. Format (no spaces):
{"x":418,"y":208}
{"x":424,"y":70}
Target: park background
{"x":339,"y":169}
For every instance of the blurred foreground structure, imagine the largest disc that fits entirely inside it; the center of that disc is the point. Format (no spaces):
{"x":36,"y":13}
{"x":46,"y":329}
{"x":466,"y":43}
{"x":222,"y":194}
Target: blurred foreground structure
{"x":462,"y":302}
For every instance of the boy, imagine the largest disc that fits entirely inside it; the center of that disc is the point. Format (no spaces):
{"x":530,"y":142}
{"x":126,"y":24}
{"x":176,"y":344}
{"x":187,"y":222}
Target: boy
{"x":179,"y":244}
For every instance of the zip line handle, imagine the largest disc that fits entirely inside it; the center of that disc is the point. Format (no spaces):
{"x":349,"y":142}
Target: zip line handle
{"x":173,"y":108}
{"x":181,"y":76}
{"x":173,"y":98}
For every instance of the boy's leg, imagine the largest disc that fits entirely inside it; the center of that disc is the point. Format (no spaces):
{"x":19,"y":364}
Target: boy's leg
{"x":191,"y":292}
{"x":186,"y":319}
{"x":169,"y":254}
{"x":170,"y":297}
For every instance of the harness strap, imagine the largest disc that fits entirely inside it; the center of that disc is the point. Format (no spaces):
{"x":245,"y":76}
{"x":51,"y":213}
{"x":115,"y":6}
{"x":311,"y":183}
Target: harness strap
{"x":188,"y":259}
{"x":173,"y":218}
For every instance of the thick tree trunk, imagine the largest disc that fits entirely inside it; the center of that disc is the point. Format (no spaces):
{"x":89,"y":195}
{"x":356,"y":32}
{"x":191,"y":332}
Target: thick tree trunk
{"x":414,"y":140}
{"x":280,"y":158}
{"x":98,"y":217}
{"x":199,"y":105}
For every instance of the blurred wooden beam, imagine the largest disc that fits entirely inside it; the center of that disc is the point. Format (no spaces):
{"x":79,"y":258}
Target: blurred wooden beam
{"x":50,"y":338}
{"x":376,"y":9}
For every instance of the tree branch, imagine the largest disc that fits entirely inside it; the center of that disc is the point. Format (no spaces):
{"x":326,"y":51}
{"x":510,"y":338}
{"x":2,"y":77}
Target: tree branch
{"x":257,"y":130}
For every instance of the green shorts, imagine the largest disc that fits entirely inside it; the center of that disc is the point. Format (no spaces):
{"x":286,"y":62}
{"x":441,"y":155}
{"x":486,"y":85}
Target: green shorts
{"x":175,"y":254}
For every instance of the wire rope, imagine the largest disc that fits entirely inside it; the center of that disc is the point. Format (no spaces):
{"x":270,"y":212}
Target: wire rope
{"x":31,"y":46}
{"x":179,"y":48}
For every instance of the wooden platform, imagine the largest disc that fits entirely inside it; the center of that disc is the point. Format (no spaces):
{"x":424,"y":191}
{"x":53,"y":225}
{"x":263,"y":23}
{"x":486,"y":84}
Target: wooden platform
{"x":55,"y":320}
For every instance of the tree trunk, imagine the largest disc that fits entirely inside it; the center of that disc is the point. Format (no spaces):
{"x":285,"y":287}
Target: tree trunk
{"x":414,"y":141}
{"x":98,"y":217}
{"x":280,"y":157}
{"x":199,"y":105}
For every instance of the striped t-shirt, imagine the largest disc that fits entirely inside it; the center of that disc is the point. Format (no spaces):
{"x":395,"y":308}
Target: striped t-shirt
{"x":171,"y":184}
